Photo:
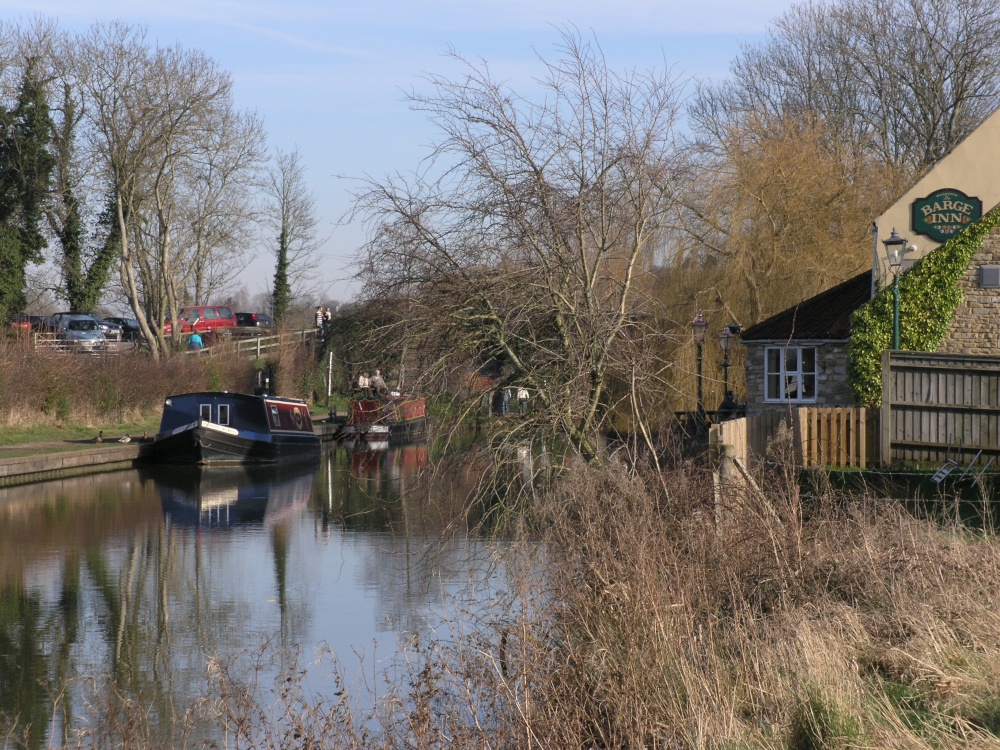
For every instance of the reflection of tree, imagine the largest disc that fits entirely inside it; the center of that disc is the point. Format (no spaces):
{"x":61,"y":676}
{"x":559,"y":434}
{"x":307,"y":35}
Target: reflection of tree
{"x":427,"y":551}
{"x":279,"y":551}
{"x":23,"y":665}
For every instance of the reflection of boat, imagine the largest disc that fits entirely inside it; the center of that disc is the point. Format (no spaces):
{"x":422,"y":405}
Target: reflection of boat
{"x":370,"y":458}
{"x":221,"y":427}
{"x":391,"y":417}
{"x":222,"y":496}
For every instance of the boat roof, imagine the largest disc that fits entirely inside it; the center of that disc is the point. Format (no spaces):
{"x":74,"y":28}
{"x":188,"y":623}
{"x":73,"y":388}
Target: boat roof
{"x":236,"y":394}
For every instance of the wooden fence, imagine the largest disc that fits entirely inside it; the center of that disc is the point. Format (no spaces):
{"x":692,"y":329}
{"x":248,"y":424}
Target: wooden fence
{"x":937,"y":407}
{"x":250,"y":346}
{"x":833,"y":437}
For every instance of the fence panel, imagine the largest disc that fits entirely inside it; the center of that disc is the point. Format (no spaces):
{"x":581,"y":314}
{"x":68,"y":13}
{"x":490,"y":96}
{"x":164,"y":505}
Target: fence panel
{"x":837,"y":437}
{"x":831,"y":437}
{"x":939,"y":406}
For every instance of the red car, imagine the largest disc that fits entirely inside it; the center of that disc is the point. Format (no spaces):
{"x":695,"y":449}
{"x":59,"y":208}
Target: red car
{"x":203,"y":319}
{"x":20,"y":322}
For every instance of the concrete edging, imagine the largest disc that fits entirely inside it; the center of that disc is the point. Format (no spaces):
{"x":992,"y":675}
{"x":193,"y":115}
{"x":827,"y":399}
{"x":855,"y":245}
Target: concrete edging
{"x":28,"y":469}
{"x":72,"y":463}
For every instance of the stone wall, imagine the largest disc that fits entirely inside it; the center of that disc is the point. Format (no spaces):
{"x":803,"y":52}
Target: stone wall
{"x":975,"y":328}
{"x":831,"y":379}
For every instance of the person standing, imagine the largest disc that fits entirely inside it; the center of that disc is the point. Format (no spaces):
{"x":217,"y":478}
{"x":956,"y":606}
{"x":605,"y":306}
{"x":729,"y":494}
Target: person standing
{"x":506,"y":402}
{"x":195,"y":343}
{"x":319,"y":317}
{"x":327,"y":321}
{"x":522,"y":400}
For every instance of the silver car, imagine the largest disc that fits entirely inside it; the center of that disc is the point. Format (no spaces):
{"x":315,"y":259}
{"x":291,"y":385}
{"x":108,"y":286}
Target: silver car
{"x":81,"y":333}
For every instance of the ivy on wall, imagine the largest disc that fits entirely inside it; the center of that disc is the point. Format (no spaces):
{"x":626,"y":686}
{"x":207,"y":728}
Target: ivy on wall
{"x":928,"y":296}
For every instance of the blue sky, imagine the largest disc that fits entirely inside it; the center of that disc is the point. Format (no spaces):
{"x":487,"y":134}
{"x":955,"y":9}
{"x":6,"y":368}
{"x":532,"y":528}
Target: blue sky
{"x":329,"y":77}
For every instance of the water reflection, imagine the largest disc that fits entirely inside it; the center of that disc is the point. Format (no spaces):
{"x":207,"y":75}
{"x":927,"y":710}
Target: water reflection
{"x":227,"y":496}
{"x":145,"y":575}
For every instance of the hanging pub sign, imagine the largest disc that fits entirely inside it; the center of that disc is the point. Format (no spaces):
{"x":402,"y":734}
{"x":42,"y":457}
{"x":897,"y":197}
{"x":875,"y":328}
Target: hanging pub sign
{"x":944,"y":213}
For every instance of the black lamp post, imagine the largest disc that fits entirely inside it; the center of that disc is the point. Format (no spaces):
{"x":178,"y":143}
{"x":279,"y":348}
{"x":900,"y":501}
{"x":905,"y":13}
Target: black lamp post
{"x":895,"y":247}
{"x":726,"y":342}
{"x":698,"y":327}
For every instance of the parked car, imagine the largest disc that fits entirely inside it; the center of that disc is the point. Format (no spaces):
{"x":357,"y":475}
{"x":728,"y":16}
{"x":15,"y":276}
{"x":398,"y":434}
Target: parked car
{"x":20,"y":323}
{"x":203,"y":319}
{"x":130,"y":328}
{"x":41,"y":323}
{"x":261,"y":323}
{"x":111,"y":331}
{"x":81,"y":333}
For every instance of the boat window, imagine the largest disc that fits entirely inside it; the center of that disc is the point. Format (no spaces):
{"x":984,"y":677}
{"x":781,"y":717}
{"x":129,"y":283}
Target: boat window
{"x":205,"y":411}
{"x":223,"y":413}
{"x":275,"y":417}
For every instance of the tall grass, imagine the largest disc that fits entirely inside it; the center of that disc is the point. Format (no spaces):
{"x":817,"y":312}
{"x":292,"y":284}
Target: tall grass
{"x":42,"y":387}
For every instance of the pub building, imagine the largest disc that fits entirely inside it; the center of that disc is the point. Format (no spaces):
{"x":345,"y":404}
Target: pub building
{"x":798,"y":357}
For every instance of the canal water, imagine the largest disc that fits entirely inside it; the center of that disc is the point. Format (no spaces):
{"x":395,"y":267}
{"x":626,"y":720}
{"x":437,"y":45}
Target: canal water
{"x":142,"y":577}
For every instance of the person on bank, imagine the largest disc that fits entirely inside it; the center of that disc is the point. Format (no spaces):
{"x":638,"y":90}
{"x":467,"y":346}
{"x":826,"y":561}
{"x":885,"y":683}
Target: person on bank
{"x":378,"y":384}
{"x":195,"y":343}
{"x":522,"y":400}
{"x":364,"y":385}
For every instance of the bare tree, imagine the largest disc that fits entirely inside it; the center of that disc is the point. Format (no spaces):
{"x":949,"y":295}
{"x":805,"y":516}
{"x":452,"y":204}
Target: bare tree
{"x":223,"y":178}
{"x":291,"y":215}
{"x":178,"y":162}
{"x":525,"y":244}
{"x":903,"y":80}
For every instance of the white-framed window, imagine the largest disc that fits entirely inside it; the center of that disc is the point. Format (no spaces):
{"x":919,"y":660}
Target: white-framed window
{"x":790,"y":373}
{"x":205,"y":411}
{"x":224,"y":414}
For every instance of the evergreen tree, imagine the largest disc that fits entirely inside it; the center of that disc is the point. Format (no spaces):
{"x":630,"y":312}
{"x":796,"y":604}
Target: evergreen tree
{"x":83,"y":284}
{"x":282,"y":288}
{"x":25,"y":168}
{"x":84,"y":287}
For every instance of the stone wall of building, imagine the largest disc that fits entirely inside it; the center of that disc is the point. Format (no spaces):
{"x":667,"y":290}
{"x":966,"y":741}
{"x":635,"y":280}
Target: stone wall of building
{"x":831,"y":379}
{"x":975,"y":327}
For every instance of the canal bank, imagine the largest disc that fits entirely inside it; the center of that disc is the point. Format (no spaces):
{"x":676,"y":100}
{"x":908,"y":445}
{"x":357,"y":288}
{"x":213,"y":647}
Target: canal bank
{"x":54,"y":460}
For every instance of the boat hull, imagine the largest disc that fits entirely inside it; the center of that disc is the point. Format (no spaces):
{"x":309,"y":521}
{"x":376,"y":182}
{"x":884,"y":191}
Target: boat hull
{"x":388,"y":418}
{"x":205,"y":444}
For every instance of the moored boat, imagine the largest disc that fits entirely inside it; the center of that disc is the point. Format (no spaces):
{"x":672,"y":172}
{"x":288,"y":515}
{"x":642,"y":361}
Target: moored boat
{"x":217,"y":427}
{"x":395,"y":416}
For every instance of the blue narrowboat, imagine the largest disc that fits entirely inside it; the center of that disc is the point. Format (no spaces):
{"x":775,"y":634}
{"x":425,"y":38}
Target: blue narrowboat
{"x":218,"y":427}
